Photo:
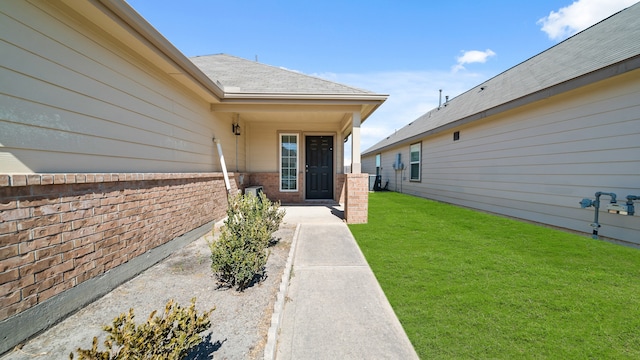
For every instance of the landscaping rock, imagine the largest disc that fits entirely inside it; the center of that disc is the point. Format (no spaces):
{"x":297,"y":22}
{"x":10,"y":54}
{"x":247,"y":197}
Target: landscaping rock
{"x":239,"y":325}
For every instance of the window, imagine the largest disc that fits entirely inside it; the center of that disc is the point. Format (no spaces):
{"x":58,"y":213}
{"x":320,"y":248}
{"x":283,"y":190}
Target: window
{"x":289,"y":162}
{"x":378,"y":156}
{"x":415,"y":161}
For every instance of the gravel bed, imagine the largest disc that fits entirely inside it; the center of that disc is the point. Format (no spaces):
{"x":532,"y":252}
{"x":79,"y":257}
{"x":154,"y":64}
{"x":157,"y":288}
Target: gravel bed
{"x":239,"y":324}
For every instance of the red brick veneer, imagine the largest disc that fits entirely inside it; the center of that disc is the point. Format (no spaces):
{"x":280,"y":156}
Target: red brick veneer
{"x":59,"y":230}
{"x":357,"y":199}
{"x":340,"y":188}
{"x":271,"y":185}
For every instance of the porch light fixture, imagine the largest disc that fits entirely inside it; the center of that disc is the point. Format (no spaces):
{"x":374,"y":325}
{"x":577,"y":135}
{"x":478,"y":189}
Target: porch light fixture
{"x":235,"y":129}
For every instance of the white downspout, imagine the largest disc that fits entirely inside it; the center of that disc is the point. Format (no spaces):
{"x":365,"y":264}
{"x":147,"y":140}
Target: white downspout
{"x":224,"y":166}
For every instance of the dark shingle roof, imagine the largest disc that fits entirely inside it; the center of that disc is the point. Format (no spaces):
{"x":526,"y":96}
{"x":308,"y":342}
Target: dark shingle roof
{"x":237,"y":75}
{"x":606,"y":43}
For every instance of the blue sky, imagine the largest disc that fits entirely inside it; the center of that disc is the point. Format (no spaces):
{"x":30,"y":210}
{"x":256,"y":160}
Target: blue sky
{"x":406,"y":49}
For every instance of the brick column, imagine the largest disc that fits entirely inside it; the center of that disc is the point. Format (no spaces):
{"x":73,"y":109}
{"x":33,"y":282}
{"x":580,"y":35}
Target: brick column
{"x":357,"y":198}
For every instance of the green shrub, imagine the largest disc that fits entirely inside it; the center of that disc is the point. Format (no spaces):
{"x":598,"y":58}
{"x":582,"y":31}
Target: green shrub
{"x":240,"y":254}
{"x":169,"y":336}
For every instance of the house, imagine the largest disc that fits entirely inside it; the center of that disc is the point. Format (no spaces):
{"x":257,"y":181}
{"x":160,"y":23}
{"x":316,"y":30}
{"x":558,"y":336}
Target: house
{"x":278,"y":109}
{"x":534,"y":140}
{"x":116,"y":149}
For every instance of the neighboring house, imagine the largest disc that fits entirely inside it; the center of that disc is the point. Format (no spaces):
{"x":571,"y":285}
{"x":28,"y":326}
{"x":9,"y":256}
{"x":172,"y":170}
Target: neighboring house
{"x":107,"y":150}
{"x":536,"y":139}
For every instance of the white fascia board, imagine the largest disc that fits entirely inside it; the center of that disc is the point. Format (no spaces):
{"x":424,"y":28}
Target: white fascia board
{"x":229,"y":96}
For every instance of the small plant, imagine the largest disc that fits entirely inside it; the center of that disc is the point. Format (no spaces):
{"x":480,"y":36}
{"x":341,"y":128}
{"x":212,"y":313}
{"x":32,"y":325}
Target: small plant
{"x":169,"y":336}
{"x":240,"y":254}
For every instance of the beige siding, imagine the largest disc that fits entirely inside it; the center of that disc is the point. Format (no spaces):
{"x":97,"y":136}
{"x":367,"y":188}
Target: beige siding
{"x":369,"y":165}
{"x":539,"y":161}
{"x":262,"y":146}
{"x":233,"y":145}
{"x":398,"y":180}
{"x":81,"y":102}
{"x":262,"y":143}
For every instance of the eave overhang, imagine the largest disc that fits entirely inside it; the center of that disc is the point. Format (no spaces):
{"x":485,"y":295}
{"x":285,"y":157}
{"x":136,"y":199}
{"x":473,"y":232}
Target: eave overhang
{"x":366,"y":104}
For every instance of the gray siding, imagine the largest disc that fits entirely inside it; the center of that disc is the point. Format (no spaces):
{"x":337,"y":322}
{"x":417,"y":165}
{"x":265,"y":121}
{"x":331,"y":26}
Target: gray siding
{"x":537,"y":162}
{"x":74,"y":99}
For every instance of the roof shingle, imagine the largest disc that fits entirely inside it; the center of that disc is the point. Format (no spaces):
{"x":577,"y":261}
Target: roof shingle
{"x":606,"y":43}
{"x":243,"y":76}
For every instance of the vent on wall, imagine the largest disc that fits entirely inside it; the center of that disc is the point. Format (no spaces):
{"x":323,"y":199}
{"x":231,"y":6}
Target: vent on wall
{"x":456,"y":136}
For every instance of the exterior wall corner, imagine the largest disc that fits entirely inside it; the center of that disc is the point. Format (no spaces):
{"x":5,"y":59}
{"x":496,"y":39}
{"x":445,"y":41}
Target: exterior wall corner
{"x":356,"y":198}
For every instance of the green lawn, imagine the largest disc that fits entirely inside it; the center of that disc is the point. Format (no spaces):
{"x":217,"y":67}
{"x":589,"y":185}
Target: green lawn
{"x":467,"y":284}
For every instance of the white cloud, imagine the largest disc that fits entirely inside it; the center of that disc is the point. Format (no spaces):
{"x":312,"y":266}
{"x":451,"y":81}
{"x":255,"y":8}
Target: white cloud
{"x":411,"y":94}
{"x":472,"y":56}
{"x":578,"y":16}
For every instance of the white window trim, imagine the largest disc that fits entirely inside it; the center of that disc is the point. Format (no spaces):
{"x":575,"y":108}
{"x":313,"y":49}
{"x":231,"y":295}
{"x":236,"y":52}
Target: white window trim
{"x":280,"y":135}
{"x":411,"y":162}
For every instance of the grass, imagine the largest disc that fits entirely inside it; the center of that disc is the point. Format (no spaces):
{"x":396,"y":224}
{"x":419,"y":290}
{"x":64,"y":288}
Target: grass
{"x":467,"y":284}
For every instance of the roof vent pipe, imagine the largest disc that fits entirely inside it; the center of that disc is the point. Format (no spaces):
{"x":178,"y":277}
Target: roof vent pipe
{"x":440,"y":99}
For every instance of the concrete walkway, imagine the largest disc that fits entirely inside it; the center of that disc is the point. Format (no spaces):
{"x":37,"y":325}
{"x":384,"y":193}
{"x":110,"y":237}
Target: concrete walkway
{"x":334,"y":307}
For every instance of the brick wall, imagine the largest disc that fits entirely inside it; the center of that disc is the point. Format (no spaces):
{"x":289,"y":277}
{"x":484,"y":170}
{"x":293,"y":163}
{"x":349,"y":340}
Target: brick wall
{"x":340,"y":188}
{"x":357,"y":198}
{"x":271,"y":184}
{"x":59,"y":230}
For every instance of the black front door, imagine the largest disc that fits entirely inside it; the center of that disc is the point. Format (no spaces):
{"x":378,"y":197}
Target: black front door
{"x":319,"y":167}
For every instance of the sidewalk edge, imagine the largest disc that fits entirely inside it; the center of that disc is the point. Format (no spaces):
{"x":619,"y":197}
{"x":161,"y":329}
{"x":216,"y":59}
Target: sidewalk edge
{"x":276,"y":318}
